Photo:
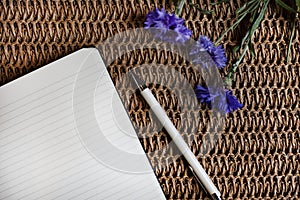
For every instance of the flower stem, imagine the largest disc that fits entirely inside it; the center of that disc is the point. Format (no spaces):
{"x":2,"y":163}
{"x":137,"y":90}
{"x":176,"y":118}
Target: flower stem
{"x":229,"y":78}
{"x":298,"y":5}
{"x":179,"y":7}
{"x":291,"y":38}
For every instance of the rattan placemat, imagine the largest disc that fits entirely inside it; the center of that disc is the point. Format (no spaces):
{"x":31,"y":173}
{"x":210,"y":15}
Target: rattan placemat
{"x":257,"y":155}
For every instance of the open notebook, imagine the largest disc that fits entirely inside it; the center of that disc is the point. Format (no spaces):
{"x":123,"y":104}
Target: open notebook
{"x":64,"y":134}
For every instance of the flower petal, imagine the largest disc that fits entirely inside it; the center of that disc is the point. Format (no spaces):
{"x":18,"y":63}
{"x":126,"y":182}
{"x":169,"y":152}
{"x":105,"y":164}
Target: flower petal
{"x":217,"y":53}
{"x":163,"y":21}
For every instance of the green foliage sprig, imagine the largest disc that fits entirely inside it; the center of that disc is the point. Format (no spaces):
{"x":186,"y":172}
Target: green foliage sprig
{"x":256,"y":10}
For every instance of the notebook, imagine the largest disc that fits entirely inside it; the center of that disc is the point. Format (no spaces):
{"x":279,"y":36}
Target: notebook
{"x":65,"y":134}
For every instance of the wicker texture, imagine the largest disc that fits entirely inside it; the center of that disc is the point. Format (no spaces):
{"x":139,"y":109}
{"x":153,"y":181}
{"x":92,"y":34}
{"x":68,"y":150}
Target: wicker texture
{"x":257,"y":155}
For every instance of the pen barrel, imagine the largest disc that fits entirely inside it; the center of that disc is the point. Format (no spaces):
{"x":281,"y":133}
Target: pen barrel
{"x":179,"y":141}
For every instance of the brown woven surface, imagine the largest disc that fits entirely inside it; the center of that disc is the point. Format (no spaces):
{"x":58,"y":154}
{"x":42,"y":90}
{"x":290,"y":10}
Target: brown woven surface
{"x":257,"y":155}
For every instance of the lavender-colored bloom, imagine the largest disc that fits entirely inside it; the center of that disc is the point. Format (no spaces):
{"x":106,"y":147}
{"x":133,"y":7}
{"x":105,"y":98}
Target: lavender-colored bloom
{"x":202,"y":94}
{"x":217,"y":53}
{"x":232,"y":102}
{"x":165,"y":22}
{"x":204,"y":44}
{"x":223,"y":100}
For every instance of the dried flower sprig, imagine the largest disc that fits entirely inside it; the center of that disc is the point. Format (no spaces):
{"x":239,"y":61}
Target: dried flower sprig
{"x":223,"y":99}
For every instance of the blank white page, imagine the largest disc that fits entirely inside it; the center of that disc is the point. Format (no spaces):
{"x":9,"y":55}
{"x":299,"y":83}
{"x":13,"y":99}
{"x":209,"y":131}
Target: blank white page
{"x":59,"y":140}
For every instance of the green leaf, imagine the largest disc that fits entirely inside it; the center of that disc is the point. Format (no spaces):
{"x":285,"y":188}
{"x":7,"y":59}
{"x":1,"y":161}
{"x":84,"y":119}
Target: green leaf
{"x":291,"y":39}
{"x":236,"y":49}
{"x":254,"y":7}
{"x":179,"y":7}
{"x":248,"y":7}
{"x":242,"y":12}
{"x":219,"y":2}
{"x":257,"y":23}
{"x":231,"y":27}
{"x":285,"y":6}
{"x":239,"y":10}
{"x":298,"y":5}
{"x":245,"y":38}
{"x":208,"y":12}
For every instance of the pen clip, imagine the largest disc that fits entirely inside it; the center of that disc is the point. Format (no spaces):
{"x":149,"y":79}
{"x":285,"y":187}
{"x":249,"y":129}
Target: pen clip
{"x":197,"y":178}
{"x":213,"y":196}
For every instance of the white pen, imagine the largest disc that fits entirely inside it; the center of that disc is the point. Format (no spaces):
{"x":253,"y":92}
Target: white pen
{"x":195,"y":166}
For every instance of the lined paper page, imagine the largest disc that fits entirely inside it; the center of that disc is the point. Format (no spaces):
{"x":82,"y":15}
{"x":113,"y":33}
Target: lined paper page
{"x":49,"y":151}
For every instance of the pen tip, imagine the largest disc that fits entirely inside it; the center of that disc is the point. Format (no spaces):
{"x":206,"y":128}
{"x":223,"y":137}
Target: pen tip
{"x":215,"y":197}
{"x":137,"y":81}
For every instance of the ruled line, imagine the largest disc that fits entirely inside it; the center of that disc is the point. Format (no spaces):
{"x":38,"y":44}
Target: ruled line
{"x":51,"y":100}
{"x":82,"y":102}
{"x":40,"y":148}
{"x":48,"y":86}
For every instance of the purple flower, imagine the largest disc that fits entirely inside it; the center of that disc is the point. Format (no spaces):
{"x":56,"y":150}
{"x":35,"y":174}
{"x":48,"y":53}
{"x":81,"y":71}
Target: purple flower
{"x":165,"y":22}
{"x":222,"y":100}
{"x":217,"y":53}
{"x":232,"y":102}
{"x":203,"y":95}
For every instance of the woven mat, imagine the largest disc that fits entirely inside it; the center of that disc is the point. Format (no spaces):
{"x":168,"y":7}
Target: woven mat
{"x":257,"y":154}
